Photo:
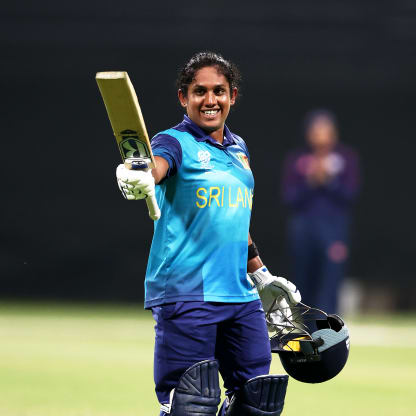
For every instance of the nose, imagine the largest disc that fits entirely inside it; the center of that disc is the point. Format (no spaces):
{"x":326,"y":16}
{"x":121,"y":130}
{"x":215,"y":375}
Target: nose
{"x":210,"y":99}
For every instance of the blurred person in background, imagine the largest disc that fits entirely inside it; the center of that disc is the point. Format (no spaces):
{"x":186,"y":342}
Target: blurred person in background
{"x":320,"y":183}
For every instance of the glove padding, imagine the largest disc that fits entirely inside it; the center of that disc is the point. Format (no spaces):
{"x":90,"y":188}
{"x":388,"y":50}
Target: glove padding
{"x":135,"y":184}
{"x":277,"y":295}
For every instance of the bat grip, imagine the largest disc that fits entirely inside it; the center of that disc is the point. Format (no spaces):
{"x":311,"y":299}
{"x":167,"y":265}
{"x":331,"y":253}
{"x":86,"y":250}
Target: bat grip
{"x":142,"y":164}
{"x":154,"y":211}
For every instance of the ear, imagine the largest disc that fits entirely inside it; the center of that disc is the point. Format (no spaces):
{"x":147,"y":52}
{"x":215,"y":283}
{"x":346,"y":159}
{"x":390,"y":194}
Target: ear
{"x":234,"y":94}
{"x":182,"y":99}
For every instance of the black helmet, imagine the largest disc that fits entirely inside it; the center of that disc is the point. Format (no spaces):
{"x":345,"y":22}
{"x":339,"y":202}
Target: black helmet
{"x":313,"y":346}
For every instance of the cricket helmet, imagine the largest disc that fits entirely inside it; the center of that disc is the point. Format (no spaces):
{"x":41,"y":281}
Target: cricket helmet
{"x":313,"y":346}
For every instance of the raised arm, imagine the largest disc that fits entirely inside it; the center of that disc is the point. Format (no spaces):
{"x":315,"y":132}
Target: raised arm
{"x":161,"y":169}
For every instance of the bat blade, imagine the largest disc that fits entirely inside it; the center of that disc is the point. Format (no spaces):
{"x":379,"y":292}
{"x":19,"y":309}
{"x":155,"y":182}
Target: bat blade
{"x":125,"y":115}
{"x":128,"y":125}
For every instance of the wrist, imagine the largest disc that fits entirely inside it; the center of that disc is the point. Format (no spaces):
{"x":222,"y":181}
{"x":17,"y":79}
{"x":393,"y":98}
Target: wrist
{"x":254,"y":264}
{"x":252,"y":251}
{"x":253,"y":258}
{"x":261,"y":277}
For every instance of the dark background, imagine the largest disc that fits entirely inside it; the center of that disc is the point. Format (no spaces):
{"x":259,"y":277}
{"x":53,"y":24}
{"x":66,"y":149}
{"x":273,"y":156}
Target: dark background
{"x":65,"y":230}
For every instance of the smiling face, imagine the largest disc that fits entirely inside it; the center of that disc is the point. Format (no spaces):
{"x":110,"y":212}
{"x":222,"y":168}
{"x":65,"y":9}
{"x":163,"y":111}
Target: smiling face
{"x":208,"y":101}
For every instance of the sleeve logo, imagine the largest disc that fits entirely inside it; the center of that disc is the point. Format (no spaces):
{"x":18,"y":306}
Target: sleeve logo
{"x":243,"y":160}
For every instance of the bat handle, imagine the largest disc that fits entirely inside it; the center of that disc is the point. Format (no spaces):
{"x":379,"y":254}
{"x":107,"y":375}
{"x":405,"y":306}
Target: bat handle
{"x":142,"y":164}
{"x":154,"y":211}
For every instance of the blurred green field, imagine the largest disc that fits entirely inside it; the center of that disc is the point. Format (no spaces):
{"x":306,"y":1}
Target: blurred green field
{"x":96,"y":360}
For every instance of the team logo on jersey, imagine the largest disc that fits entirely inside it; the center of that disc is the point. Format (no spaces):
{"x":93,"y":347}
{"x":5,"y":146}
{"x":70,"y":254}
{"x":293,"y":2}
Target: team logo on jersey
{"x":204,"y":158}
{"x":243,"y":160}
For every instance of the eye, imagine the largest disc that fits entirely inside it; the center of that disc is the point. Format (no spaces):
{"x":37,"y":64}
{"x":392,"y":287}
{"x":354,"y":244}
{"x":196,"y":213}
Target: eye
{"x":219,"y":91}
{"x":199,"y":91}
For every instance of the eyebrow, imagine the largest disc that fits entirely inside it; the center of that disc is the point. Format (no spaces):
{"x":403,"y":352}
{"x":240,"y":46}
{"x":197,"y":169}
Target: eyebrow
{"x":203,"y":86}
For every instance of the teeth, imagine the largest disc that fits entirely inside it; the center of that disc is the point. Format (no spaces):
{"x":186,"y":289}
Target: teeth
{"x":210,"y":112}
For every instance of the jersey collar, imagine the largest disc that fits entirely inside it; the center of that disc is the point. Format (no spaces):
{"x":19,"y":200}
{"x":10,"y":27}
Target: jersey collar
{"x":201,"y":136}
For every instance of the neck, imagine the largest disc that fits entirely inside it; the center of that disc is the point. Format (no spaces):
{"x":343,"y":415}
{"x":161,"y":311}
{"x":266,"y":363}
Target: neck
{"x":218,"y":135}
{"x":323,"y":150}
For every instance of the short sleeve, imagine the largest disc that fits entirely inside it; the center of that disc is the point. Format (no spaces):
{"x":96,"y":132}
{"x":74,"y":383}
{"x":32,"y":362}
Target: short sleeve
{"x":170,"y":149}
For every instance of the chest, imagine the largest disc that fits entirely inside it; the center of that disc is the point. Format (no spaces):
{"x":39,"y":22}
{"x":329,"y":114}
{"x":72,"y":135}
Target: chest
{"x":207,"y":165}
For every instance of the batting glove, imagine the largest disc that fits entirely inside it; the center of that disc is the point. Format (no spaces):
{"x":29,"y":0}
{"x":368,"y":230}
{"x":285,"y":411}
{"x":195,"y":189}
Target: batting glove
{"x":277,"y":295}
{"x":135,"y":184}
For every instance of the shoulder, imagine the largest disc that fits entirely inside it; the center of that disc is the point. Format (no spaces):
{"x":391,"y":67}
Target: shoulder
{"x":238,"y":139}
{"x":169,"y":137}
{"x":347,"y":151}
{"x":174,"y":135}
{"x":297,"y":153}
{"x":342,"y":147}
{"x":163,"y":138}
{"x":240,"y":142}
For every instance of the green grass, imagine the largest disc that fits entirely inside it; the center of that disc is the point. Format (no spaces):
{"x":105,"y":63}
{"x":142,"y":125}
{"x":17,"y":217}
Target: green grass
{"x":92,"y":360}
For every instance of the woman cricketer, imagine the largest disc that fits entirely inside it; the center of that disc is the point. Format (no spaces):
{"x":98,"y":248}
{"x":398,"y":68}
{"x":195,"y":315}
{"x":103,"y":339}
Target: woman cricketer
{"x":208,"y":314}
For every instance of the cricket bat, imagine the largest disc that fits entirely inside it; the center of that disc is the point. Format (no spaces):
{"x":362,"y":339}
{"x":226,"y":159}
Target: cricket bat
{"x":128,"y":125}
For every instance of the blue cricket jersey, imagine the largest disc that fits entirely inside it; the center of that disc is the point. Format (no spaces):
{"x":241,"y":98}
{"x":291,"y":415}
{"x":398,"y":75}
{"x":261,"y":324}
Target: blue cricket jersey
{"x":199,"y":247}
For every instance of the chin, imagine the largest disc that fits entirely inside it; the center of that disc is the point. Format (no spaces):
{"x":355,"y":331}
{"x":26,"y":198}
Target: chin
{"x":210,"y":129}
{"x":210,"y":126}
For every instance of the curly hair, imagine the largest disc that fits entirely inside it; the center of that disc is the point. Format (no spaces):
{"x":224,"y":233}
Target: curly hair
{"x":203,"y":59}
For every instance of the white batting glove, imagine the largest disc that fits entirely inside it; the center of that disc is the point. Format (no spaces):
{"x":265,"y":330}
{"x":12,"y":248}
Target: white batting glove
{"x":135,"y":184}
{"x":279,"y":314}
{"x":277,"y":295}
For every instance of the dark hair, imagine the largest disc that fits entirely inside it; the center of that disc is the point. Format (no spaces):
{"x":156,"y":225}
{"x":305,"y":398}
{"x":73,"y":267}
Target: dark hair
{"x":316,"y":114}
{"x":202,"y":60}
